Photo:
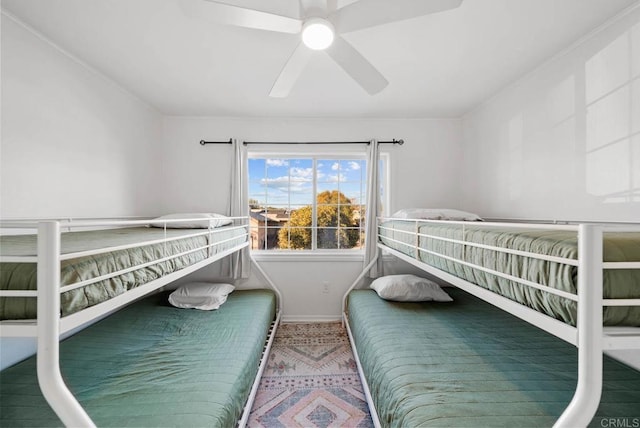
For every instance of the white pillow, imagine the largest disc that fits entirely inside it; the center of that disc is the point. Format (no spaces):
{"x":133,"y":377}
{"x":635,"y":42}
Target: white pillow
{"x":409,"y":288}
{"x":200,"y":295}
{"x":436,"y":214}
{"x":220,"y":220}
{"x":208,"y":220}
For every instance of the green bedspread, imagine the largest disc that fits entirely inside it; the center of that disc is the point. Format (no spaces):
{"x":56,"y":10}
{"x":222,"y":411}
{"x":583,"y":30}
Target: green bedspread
{"x":152,"y":365}
{"x":621,"y":283}
{"x":22,"y":276}
{"x":470,"y":364}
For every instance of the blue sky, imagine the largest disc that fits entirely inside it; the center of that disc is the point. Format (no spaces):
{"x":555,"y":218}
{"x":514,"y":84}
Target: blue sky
{"x":290,"y":181}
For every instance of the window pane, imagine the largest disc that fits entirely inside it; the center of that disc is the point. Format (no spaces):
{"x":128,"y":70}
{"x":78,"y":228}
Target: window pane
{"x":300,"y":215}
{"x":327,"y":216}
{"x":257,"y":200}
{"x":256,"y":169}
{"x":337,"y":238}
{"x":271,"y":237}
{"x":328,"y":171}
{"x":332,"y":196}
{"x":301,"y":170}
{"x":301,"y":193}
{"x":361,"y":215}
{"x":327,"y":189}
{"x":355,"y":236}
{"x":327,"y":238}
{"x":355,"y":192}
{"x":294,"y":238}
{"x":351,"y":170}
{"x":258,"y":238}
{"x":361,"y":241}
{"x":276,"y":181}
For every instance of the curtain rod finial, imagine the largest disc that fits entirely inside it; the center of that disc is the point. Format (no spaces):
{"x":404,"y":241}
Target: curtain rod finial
{"x":202,"y":142}
{"x":399,"y":142}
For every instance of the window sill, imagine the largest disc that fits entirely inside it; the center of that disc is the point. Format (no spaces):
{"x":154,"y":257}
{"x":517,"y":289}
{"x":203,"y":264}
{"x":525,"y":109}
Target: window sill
{"x":308,"y":256}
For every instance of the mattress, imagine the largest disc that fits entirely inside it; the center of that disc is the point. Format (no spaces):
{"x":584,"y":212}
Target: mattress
{"x":455,"y":364}
{"x":153,"y":365}
{"x":22,"y":276}
{"x":618,"y":247}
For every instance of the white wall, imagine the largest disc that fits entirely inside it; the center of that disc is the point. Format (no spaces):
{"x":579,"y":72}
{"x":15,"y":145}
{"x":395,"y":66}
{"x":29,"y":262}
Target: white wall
{"x":73,"y":142}
{"x":429,"y":157}
{"x":424,"y":172}
{"x":563,"y":142}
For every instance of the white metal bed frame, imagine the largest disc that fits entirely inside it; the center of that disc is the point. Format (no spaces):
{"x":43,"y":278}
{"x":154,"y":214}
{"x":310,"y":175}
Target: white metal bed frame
{"x":589,"y":335}
{"x":49,"y":325}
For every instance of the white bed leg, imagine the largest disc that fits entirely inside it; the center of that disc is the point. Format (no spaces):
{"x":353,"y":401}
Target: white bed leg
{"x":586,"y":399}
{"x":272,"y":284}
{"x":49,"y":377}
{"x":355,"y":283}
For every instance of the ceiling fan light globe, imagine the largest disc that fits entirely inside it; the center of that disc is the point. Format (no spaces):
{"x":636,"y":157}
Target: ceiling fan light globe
{"x":318,"y":34}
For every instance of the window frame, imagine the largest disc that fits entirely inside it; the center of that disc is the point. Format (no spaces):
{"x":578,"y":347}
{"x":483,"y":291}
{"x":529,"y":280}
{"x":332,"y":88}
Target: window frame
{"x":317,"y":155}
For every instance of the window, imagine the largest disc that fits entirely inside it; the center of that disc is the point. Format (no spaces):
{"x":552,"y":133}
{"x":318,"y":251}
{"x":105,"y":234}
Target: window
{"x":307,"y":202}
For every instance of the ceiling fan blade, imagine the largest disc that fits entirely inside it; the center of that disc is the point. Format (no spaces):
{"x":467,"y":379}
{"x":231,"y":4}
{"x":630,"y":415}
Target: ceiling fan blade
{"x":357,"y":66}
{"x":315,"y":8}
{"x":368,"y":13}
{"x":332,"y":6}
{"x":226,"y":14}
{"x":290,"y":72}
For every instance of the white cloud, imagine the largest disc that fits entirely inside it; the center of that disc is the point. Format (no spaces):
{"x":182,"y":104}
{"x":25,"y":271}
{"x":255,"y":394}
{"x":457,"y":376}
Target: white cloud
{"x":301,"y":174}
{"x":270,"y":182}
{"x":283,"y":184}
{"x":277,"y":162}
{"x":337,"y":177}
{"x":354,"y":166}
{"x":335,"y":166}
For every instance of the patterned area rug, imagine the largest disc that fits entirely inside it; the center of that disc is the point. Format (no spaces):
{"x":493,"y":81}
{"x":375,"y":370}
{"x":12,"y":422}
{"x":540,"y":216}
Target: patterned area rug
{"x":311,"y":380}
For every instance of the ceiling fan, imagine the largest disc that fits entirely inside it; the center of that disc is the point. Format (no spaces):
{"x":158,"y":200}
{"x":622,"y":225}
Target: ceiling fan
{"x":320,"y":24}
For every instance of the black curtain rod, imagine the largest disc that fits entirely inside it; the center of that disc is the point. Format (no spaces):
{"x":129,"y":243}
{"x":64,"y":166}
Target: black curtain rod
{"x":202,"y":142}
{"x":394,"y":141}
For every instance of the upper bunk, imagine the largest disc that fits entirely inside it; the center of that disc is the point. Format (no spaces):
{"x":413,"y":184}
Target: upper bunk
{"x":97,"y":266}
{"x":532,"y":269}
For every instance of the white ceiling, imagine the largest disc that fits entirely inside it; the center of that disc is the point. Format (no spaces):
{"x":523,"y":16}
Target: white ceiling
{"x":439,"y":65}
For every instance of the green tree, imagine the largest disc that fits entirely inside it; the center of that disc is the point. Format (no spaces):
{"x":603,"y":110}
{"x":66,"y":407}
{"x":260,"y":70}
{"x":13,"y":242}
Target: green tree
{"x":335,"y":220}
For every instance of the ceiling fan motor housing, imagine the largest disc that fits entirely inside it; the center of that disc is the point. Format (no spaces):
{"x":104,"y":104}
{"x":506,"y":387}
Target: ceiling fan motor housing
{"x":317,"y":33}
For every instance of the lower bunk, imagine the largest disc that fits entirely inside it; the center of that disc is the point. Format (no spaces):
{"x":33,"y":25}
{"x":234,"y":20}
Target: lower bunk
{"x":468,"y":363}
{"x":151,"y":364}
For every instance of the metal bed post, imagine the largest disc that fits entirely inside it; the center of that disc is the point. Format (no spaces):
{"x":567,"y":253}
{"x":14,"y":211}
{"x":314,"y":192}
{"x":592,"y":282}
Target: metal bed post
{"x":586,"y":399}
{"x":269,"y":281}
{"x":50,"y":379}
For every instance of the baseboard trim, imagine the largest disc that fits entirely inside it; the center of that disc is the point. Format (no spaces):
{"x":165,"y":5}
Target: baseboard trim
{"x":310,"y":318}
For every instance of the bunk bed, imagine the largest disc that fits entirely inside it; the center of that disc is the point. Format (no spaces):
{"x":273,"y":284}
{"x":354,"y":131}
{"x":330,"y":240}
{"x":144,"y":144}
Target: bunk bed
{"x":478,"y":360}
{"x":143,"y":362}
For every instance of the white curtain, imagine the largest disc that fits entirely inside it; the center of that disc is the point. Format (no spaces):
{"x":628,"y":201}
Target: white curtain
{"x":372,"y":210}
{"x":239,"y":206}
